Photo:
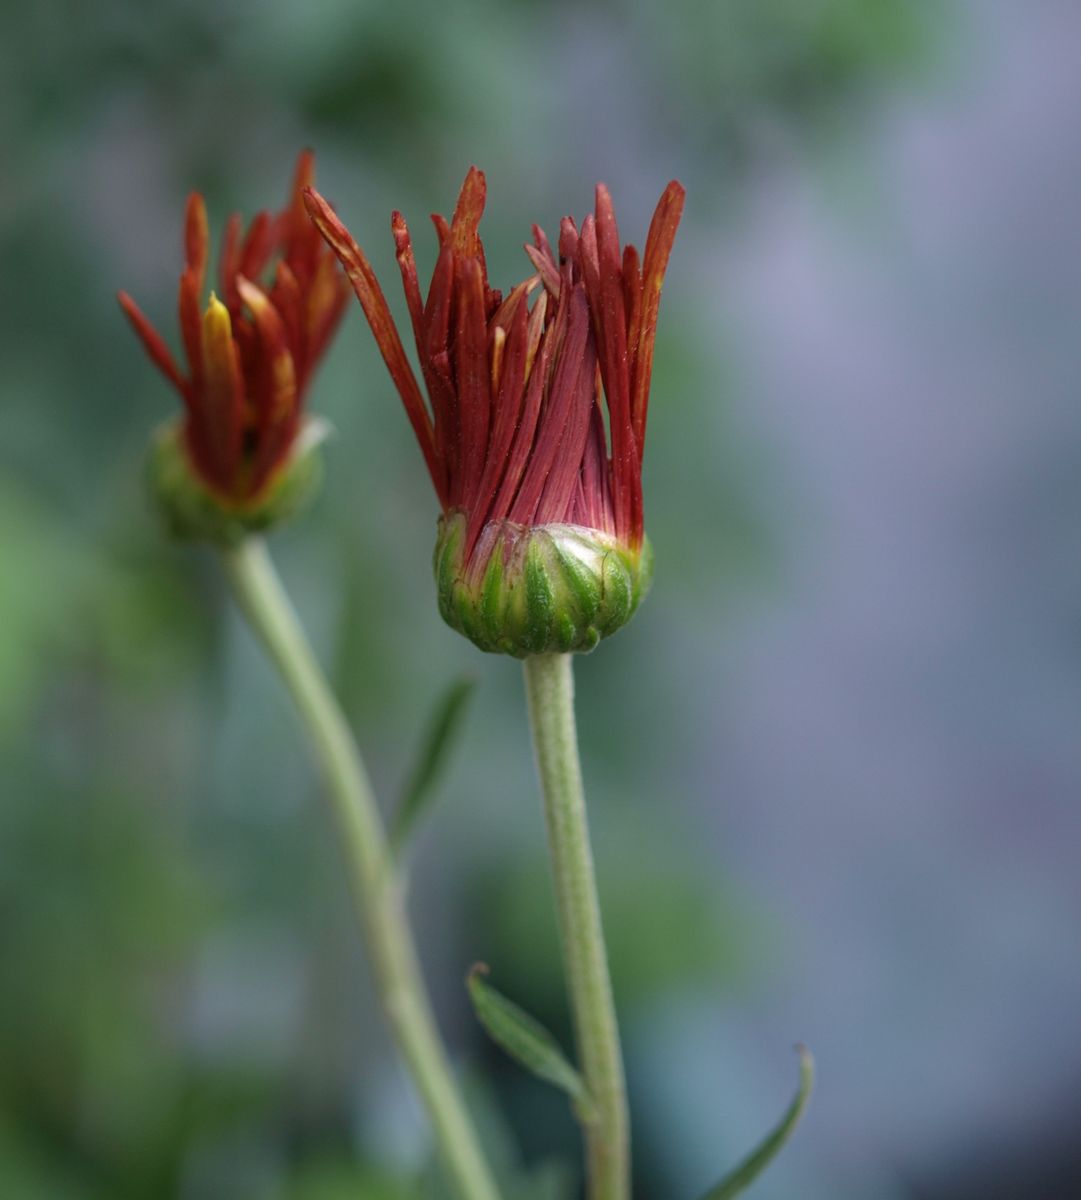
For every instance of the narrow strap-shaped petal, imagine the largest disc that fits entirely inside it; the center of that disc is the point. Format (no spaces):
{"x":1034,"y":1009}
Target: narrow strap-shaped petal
{"x":568,"y":241}
{"x":278,"y":395}
{"x":535,"y":332}
{"x":442,"y":229}
{"x":506,"y":501}
{"x":472,"y":376}
{"x":599,"y":256}
{"x":325,"y":302}
{"x":257,"y":246}
{"x":540,"y":240}
{"x":275,"y":395}
{"x":662,"y":233}
{"x":440,"y":390}
{"x":632,"y":302}
{"x":546,"y":268}
{"x":196,"y":239}
{"x":435,"y":359}
{"x":229,"y":263}
{"x":289,"y":302}
{"x":222,"y":412}
{"x":594,"y":504}
{"x":300,"y":243}
{"x":504,"y":315}
{"x":566,"y":427}
{"x":567,"y":338}
{"x":191,"y":329}
{"x":509,"y":391}
{"x":407,"y":265}
{"x":374,"y":303}
{"x":153,"y":343}
{"x":465,"y":223}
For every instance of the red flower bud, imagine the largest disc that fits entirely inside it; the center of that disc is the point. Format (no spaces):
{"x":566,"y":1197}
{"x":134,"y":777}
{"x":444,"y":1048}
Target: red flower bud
{"x":252,"y":351}
{"x":538,"y":400}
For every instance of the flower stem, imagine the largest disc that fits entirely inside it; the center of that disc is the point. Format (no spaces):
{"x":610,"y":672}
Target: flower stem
{"x":549,"y":681}
{"x":375,"y":884}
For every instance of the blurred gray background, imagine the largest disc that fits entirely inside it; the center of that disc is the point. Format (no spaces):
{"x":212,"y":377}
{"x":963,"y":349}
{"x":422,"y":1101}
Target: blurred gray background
{"x":833,"y":765}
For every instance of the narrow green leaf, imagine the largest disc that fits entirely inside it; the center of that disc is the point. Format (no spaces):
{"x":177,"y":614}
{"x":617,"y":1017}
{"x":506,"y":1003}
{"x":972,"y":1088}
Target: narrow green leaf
{"x":526,"y":1040}
{"x":760,"y":1158}
{"x":443,"y":726}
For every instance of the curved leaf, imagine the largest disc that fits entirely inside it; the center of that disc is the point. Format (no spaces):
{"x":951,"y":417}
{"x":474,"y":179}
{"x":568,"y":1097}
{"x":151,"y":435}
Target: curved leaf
{"x":526,"y":1040}
{"x":443,"y":727}
{"x":760,"y":1158}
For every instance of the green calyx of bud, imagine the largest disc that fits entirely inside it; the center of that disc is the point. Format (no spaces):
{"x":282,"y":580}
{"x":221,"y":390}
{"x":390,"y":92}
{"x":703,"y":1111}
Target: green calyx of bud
{"x":547,"y":589}
{"x":194,"y":512}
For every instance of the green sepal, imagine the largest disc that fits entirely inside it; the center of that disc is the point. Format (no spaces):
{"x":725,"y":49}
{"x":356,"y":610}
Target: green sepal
{"x":192,"y":512}
{"x":742,"y":1176}
{"x":527,"y":1041}
{"x":443,"y":728}
{"x":546,"y":589}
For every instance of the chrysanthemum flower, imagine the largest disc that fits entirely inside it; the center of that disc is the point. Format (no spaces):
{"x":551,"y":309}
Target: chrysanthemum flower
{"x":234,"y":460}
{"x":537,"y":417}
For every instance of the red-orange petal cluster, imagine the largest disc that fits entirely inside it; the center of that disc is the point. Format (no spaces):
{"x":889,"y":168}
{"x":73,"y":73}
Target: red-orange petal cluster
{"x":516,"y":430}
{"x":252,"y":351}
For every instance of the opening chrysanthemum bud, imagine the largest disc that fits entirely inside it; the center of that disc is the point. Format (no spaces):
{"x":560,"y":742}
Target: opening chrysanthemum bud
{"x":243,"y":455}
{"x":537,"y":417}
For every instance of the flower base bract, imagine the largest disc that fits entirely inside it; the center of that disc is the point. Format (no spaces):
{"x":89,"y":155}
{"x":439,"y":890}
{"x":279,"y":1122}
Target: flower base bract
{"x":192,"y":512}
{"x":542,"y":589}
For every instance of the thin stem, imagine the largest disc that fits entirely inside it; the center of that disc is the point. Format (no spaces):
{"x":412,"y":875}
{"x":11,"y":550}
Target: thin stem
{"x":374,"y":882}
{"x":549,"y":681}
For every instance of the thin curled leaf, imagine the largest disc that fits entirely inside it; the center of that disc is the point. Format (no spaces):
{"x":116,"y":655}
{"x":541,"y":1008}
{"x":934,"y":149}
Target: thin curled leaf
{"x":526,"y":1040}
{"x":756,"y":1162}
{"x":443,"y":727}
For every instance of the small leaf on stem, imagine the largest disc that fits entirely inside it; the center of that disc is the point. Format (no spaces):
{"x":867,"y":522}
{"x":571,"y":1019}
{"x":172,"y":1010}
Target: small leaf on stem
{"x":526,"y":1041}
{"x":443,"y":727}
{"x":756,"y":1162}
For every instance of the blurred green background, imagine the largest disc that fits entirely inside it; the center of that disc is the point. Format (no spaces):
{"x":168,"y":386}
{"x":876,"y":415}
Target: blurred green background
{"x":832,"y":765}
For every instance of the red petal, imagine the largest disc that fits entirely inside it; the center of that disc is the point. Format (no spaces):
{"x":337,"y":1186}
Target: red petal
{"x":153,"y":343}
{"x":507,"y":408}
{"x":275,"y":398}
{"x":224,"y":391}
{"x":257,"y":246}
{"x":374,"y":303}
{"x":632,"y":302}
{"x":472,"y":377}
{"x":594,"y":505}
{"x":196,"y":239}
{"x":229,"y":263}
{"x":561,"y":439}
{"x":504,"y":315}
{"x":325,"y":303}
{"x":662,"y":233}
{"x":279,"y":395}
{"x":287,"y":299}
{"x":546,"y":268}
{"x":467,"y":214}
{"x":506,"y":501}
{"x":299,"y":239}
{"x":191,"y":330}
{"x":603,"y":280}
{"x":442,"y":229}
{"x":407,"y":265}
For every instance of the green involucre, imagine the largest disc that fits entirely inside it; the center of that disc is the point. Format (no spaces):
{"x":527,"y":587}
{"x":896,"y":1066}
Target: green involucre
{"x":548,"y":589}
{"x":192,"y":512}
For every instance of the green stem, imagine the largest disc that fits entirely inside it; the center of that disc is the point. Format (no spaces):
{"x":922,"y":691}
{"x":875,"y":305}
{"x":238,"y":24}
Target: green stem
{"x":375,"y":885}
{"x":549,"y":681}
